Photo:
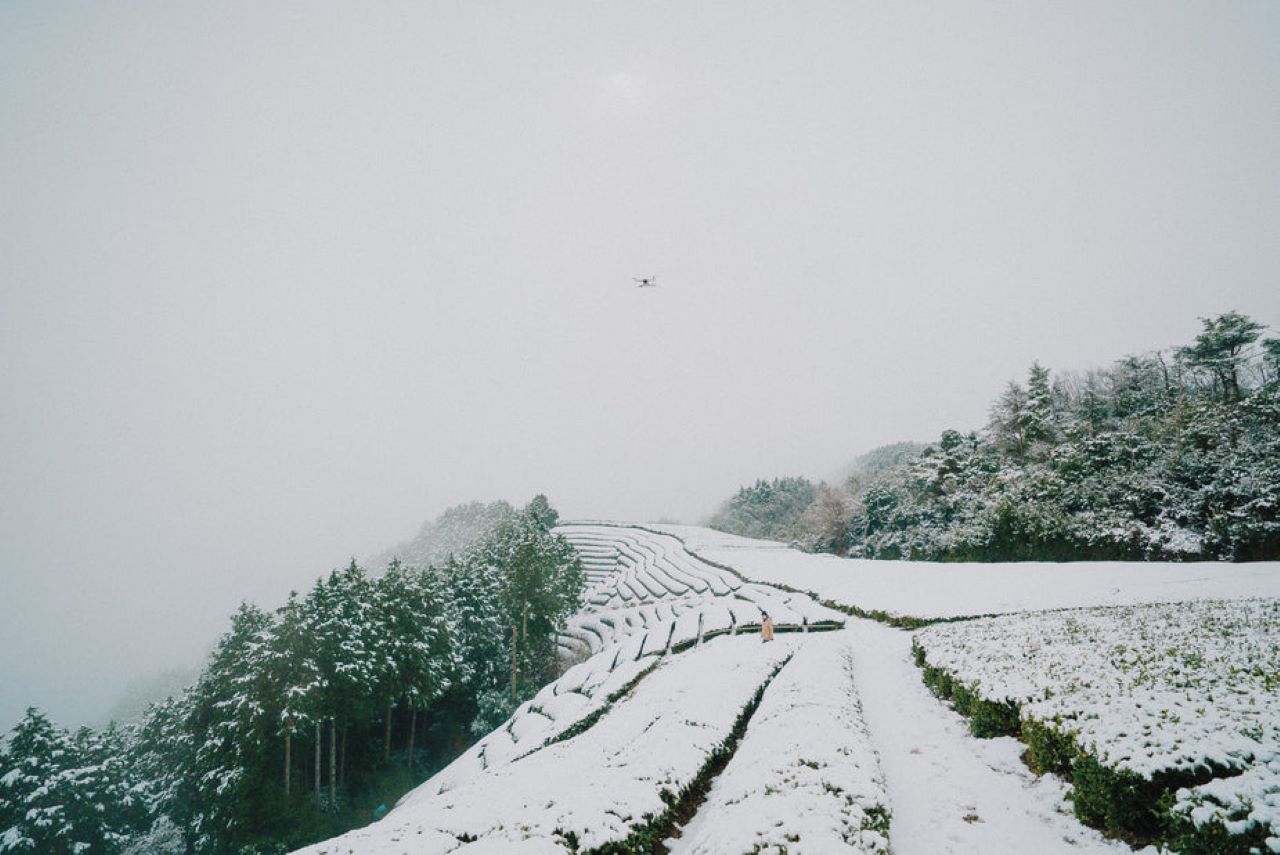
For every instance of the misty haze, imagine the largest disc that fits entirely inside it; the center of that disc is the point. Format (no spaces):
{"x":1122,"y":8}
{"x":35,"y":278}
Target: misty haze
{"x":488,"y":343}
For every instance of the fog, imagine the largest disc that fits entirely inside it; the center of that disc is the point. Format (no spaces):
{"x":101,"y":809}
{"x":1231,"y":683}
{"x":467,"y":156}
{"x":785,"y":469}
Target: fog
{"x":278,"y":282}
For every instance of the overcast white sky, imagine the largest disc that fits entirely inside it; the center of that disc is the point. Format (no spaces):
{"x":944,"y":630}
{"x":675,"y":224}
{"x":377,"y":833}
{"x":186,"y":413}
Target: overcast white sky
{"x":279,"y":281}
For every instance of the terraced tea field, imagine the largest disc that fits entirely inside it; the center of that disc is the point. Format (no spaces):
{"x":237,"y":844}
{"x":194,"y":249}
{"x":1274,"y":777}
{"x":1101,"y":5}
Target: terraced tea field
{"x":674,"y":729}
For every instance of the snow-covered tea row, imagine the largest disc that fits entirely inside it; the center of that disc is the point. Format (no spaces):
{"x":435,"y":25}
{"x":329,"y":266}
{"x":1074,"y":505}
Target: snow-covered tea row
{"x":583,"y":691}
{"x":627,"y":565}
{"x":930,"y":590}
{"x":1239,"y":804}
{"x":805,"y":778}
{"x":598,"y":786}
{"x":1143,"y":688}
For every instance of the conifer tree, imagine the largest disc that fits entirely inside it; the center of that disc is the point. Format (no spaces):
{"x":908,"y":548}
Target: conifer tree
{"x":45,"y":814}
{"x":1039,"y":422}
{"x":295,"y":680}
{"x":1220,"y":349}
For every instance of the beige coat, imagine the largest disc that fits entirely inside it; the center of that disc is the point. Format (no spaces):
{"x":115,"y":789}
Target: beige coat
{"x":766,"y":629}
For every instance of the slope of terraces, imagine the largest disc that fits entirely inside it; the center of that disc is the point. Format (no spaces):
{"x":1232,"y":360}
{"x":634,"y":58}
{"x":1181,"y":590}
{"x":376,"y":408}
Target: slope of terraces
{"x":601,"y":755}
{"x":647,"y":591}
{"x":622,"y":634}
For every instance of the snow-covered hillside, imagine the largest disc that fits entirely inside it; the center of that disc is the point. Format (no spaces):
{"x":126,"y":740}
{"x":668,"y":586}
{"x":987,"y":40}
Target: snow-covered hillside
{"x":928,"y":590}
{"x":676,"y":722}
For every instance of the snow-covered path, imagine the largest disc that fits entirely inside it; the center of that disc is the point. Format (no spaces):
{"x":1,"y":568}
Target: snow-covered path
{"x":951,"y":792}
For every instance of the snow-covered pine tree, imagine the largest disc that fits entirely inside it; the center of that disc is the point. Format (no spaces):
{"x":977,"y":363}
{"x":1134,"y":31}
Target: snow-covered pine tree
{"x":342,"y":629}
{"x":295,"y":681}
{"x":230,"y":722}
{"x":1039,"y":419}
{"x":419,"y":659}
{"x":51,"y":793}
{"x":163,"y":762}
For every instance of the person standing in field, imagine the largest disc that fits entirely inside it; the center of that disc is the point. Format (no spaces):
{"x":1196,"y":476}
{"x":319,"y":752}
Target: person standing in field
{"x":766,"y":627}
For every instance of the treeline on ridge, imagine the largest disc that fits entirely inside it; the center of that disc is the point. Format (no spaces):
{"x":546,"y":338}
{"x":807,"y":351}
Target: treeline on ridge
{"x":1171,"y":455}
{"x":310,"y":717}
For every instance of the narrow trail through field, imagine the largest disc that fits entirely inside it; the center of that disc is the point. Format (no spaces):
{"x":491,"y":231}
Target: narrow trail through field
{"x":949,"y":791}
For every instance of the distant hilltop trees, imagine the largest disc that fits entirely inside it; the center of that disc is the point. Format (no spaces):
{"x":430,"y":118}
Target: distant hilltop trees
{"x":1171,"y":455}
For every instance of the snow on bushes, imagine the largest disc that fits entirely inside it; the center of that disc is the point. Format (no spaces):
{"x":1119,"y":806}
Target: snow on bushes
{"x":1241,"y":813}
{"x":1135,"y":703}
{"x":805,"y":777}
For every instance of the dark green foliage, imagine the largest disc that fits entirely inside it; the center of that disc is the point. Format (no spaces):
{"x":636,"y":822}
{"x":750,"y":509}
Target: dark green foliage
{"x":1048,"y":749}
{"x":1213,"y":838}
{"x":877,"y":819}
{"x":63,"y":793}
{"x":1221,"y":350}
{"x":989,"y":718}
{"x":1121,"y":803}
{"x":540,"y":511}
{"x":1137,"y":809}
{"x":986,"y":718}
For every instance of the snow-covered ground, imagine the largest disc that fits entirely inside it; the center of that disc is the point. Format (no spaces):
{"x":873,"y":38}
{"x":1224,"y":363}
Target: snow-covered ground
{"x":670,"y":656}
{"x":929,"y":590}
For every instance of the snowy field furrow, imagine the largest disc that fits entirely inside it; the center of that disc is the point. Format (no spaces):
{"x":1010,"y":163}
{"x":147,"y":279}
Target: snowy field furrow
{"x":598,"y":786}
{"x":805,"y":778}
{"x":929,"y":590}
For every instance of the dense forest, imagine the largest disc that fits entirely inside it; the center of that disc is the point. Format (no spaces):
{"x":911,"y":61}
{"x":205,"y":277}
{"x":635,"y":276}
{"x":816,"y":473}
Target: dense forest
{"x":1171,"y":455}
{"x":313,"y":718}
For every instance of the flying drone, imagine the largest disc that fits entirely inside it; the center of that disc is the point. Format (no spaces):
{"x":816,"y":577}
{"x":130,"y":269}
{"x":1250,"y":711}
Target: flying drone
{"x":645,"y":281}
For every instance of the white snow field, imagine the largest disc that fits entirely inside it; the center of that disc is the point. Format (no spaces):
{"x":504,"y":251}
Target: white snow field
{"x":1185,"y":687}
{"x":669,"y":657}
{"x":931,"y":590}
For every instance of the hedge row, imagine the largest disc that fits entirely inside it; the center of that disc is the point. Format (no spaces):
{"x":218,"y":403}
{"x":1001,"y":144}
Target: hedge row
{"x":1120,"y":803}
